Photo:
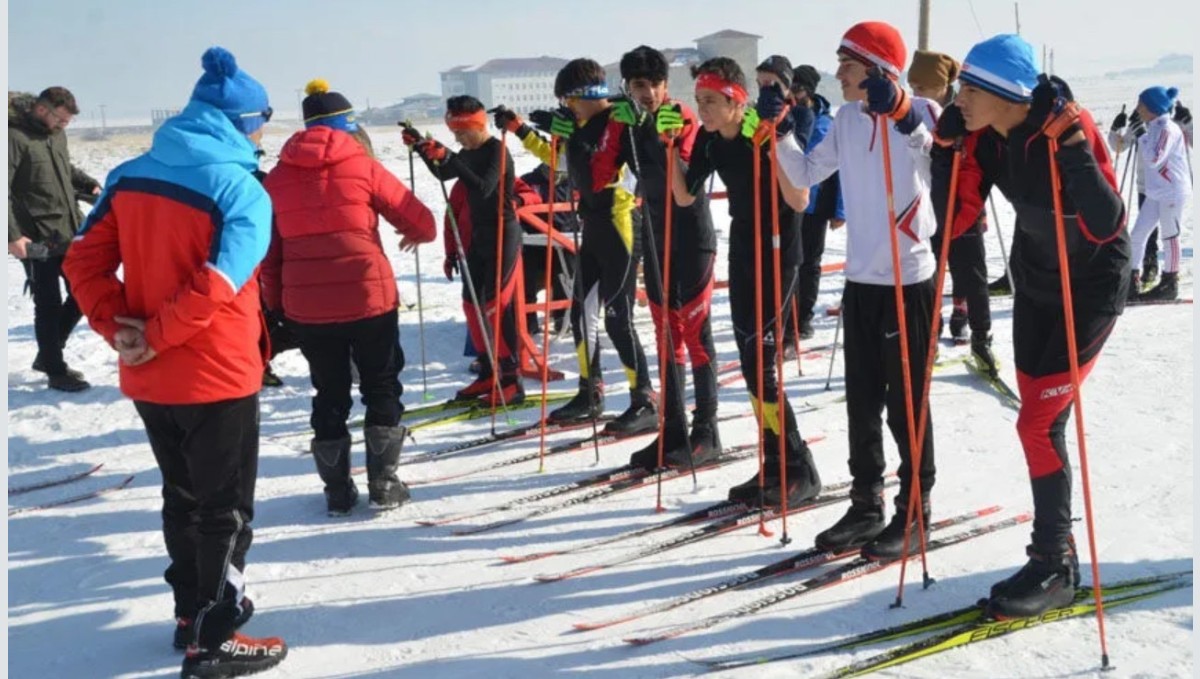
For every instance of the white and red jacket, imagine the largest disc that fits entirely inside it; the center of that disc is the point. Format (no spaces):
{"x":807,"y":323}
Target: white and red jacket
{"x":854,"y":147}
{"x":1163,"y":157}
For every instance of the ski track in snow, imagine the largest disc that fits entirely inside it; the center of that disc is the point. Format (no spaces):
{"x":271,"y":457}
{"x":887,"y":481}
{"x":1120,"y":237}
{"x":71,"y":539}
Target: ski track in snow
{"x":375,"y":595}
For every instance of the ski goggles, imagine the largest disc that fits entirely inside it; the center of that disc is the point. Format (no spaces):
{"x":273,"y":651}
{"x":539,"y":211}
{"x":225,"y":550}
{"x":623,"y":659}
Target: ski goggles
{"x":715,"y":83}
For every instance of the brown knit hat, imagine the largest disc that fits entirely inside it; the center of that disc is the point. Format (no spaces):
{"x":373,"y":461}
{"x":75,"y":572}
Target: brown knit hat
{"x":932,"y":69}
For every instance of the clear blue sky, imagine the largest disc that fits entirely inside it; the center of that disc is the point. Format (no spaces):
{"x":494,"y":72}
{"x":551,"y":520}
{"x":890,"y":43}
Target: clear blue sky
{"x":134,"y":55}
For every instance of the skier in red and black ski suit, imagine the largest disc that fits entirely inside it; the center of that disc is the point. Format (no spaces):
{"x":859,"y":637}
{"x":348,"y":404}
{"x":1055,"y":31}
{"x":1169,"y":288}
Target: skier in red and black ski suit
{"x":693,"y":254}
{"x":1004,"y":117}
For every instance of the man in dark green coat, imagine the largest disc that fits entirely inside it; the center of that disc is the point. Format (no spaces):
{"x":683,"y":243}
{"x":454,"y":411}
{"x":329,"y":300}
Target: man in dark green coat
{"x":43,"y":217}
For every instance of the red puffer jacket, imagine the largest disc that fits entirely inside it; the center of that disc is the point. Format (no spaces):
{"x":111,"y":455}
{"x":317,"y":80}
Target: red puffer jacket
{"x":326,"y":263}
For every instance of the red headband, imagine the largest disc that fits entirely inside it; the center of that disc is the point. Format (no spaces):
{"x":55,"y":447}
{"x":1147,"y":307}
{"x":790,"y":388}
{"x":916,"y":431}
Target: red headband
{"x":457,"y":122}
{"x":714,"y":82}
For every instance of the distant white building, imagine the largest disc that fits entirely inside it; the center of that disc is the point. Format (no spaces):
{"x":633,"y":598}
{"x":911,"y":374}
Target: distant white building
{"x":523,"y":85}
{"x":739,"y":46}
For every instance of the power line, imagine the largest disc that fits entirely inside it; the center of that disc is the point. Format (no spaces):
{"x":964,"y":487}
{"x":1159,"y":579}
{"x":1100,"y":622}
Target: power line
{"x":978,"y":27}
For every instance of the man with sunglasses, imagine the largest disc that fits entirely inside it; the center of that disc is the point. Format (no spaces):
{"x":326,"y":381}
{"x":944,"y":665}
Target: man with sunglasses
{"x":190,"y":223}
{"x":43,"y":217}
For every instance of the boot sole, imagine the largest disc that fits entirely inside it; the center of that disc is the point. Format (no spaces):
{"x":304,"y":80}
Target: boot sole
{"x":233,"y":668}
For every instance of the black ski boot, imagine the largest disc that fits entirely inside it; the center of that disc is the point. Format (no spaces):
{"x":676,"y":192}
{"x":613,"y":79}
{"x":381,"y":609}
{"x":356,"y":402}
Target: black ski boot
{"x":1000,"y":286}
{"x":705,"y":439}
{"x":185,"y":627}
{"x":981,"y":353}
{"x":675,"y":449}
{"x":587,"y":404}
{"x":861,"y":523}
{"x":889,"y":544}
{"x":803,"y":480}
{"x":333,"y":465}
{"x":1149,"y":270}
{"x":640,"y":417}
{"x":1166,"y":290}
{"x":958,"y":321}
{"x":1048,"y":580}
{"x":806,"y":328}
{"x":384,"y":444}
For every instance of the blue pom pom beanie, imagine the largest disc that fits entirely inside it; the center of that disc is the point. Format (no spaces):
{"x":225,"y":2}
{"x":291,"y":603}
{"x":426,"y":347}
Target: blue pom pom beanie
{"x":230,"y":89}
{"x":1004,"y":66}
{"x":1159,"y":100}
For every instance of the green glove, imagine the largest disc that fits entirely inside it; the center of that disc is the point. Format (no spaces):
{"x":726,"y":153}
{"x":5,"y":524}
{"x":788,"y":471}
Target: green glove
{"x":750,"y":123}
{"x":669,"y":120}
{"x":562,"y":126}
{"x":624,"y":112}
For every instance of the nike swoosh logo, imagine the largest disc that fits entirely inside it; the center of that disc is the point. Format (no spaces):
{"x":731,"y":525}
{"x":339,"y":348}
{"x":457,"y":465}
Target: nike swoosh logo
{"x":890,"y":335}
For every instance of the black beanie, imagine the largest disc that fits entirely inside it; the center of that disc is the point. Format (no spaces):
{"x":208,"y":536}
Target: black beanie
{"x":778,"y":66}
{"x":806,"y":78}
{"x":330,"y":109}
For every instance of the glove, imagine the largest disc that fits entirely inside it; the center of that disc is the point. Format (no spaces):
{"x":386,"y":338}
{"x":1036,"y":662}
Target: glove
{"x":951,"y":126}
{"x":1182,"y":115}
{"x":626,"y":111}
{"x":1137,"y":127}
{"x":410,"y":135}
{"x":432,"y":150}
{"x":1120,"y":121}
{"x":450,"y":267}
{"x":886,"y":98}
{"x":750,"y":123}
{"x":668,"y":121}
{"x":506,"y":119}
{"x":771,"y":103}
{"x":559,"y":123}
{"x":1053,"y":110}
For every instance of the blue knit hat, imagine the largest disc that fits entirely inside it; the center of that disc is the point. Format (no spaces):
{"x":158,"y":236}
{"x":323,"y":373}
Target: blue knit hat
{"x":1004,"y":66}
{"x":225,"y":86}
{"x":1159,"y":100}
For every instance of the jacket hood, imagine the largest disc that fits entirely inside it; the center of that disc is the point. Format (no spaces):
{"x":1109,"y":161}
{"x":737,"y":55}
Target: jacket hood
{"x":201,"y":135}
{"x":319,"y":146}
{"x":820,"y":105}
{"x":20,"y":112}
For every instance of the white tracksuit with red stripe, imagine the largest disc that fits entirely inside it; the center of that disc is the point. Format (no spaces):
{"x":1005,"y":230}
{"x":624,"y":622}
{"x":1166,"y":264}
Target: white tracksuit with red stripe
{"x":874,"y":376}
{"x":1163,"y":159}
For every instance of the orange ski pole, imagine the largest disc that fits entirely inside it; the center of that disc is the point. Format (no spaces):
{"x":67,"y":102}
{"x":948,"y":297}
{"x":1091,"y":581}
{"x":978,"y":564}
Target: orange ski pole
{"x":497,"y":297}
{"x":551,"y":198}
{"x":780,"y":417}
{"x":914,"y":486}
{"x":758,"y":326}
{"x":666,"y":361}
{"x":1064,"y":269}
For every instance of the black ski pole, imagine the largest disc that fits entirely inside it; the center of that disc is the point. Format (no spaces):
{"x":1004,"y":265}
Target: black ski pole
{"x":412,"y":183}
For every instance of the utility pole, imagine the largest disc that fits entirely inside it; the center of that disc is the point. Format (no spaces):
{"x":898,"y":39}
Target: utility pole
{"x":923,"y":26}
{"x":103,"y":121}
{"x":1017,"y":15}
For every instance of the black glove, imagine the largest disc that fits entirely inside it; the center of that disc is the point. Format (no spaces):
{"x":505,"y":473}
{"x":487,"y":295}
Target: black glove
{"x":1137,"y":126}
{"x":1182,"y":115}
{"x":506,"y":119}
{"x":886,"y":98}
{"x":772,"y":102}
{"x":951,"y":126}
{"x":1120,"y":121}
{"x":409,"y":135}
{"x":1049,"y":110}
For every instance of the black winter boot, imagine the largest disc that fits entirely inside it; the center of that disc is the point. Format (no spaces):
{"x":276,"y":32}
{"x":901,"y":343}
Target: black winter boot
{"x":981,"y":353}
{"x":1048,"y":580}
{"x":889,"y":544}
{"x":587,"y":404}
{"x":705,"y":439}
{"x":958,"y":321}
{"x":384,"y":445}
{"x":861,"y":523}
{"x":333,"y":465}
{"x":1166,"y":290}
{"x":639,"y":418}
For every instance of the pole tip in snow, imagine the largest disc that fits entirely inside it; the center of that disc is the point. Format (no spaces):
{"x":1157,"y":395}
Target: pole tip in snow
{"x":926,"y":581}
{"x":1105,"y":665}
{"x":785,"y":541}
{"x":898,"y":603}
{"x":659,"y":509}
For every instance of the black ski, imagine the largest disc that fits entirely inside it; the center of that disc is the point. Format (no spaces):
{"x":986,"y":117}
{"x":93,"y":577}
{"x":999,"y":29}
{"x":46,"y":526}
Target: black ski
{"x":50,"y":483}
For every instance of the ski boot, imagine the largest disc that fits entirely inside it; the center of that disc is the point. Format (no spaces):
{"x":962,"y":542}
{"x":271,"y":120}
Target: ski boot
{"x":862,"y":522}
{"x":333,"y":466}
{"x":889,"y":543}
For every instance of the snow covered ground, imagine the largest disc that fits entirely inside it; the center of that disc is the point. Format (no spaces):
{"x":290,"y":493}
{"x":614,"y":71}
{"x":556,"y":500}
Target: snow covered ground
{"x":375,"y":595}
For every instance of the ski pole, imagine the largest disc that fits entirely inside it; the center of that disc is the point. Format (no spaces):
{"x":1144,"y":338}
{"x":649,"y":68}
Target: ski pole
{"x":1128,"y":162}
{"x":412,"y":182}
{"x":922,"y":427}
{"x":756,"y":398}
{"x":796,"y":328}
{"x":581,"y":302}
{"x":551,"y":199}
{"x":780,"y":397}
{"x":466,"y":272}
{"x":837,"y":329}
{"x":497,"y":292}
{"x":1064,"y":270}
{"x":1000,"y":237}
{"x":914,"y":485}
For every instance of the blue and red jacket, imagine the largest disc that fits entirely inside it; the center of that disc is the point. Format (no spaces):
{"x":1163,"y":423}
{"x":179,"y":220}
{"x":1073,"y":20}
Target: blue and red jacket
{"x":189,"y":223}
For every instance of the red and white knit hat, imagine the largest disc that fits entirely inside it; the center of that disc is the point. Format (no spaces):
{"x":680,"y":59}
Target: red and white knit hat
{"x":876,"y":43}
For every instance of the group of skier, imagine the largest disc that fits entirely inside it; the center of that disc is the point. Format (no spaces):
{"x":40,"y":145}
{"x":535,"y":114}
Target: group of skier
{"x":903,"y":171}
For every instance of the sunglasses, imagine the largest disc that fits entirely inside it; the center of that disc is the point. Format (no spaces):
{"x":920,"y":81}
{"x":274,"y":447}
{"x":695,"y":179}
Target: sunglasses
{"x":265,"y":113}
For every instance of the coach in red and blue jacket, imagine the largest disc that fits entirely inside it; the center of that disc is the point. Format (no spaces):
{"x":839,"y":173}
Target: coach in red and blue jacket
{"x":189,"y":223}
